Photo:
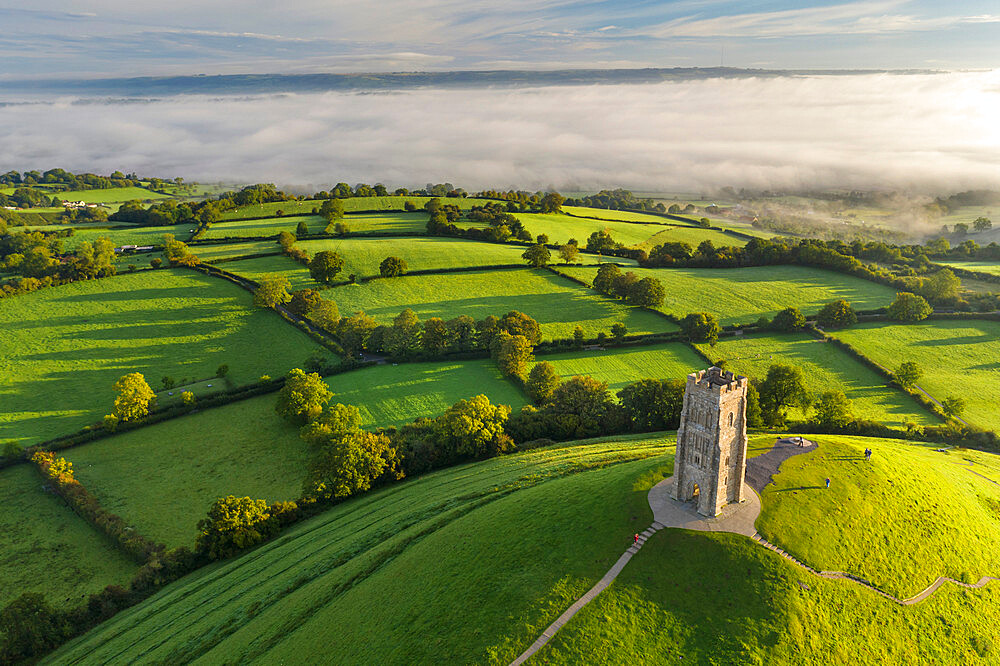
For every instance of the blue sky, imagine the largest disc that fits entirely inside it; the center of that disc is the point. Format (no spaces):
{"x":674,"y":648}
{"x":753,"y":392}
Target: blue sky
{"x":126,"y":37}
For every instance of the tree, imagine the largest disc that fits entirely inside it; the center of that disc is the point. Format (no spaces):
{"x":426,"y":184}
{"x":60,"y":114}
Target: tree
{"x":392,"y":267}
{"x":325,"y":314}
{"x":234,"y":524}
{"x":833,"y":409}
{"x":349,"y":464}
{"x":604,"y":281}
{"x":788,"y":320}
{"x":647,"y":292}
{"x":222,"y":371}
{"x":961,"y":229}
{"x":303,"y":301}
{"x":354,"y":331}
{"x":286,"y":240}
{"x":601,"y":241}
{"x":942,"y":286}
{"x":953,"y":406}
{"x":403,"y":338}
{"x":302,"y":229}
{"x":701,"y":327}
{"x":272,"y":291}
{"x":334,"y":422}
{"x":473,"y":428}
{"x":518,"y":323}
{"x":134,"y":397}
{"x":325,"y":265}
{"x":187,"y":397}
{"x":908,"y":373}
{"x":542,"y":239}
{"x":537,"y":255}
{"x":583,"y":407}
{"x":512,"y":353}
{"x":176,"y":252}
{"x":578,"y":337}
{"x":651,"y":404}
{"x":837,"y":314}
{"x":982,"y":224}
{"x":784,"y":386}
{"x":302,"y":397}
{"x":552,"y":202}
{"x":462,"y":332}
{"x":437,"y":337}
{"x":31,"y":627}
{"x":909,"y":308}
{"x":542,"y":380}
{"x":618,"y":332}
{"x":568,"y":253}
{"x":156,"y":262}
{"x":332,"y":209}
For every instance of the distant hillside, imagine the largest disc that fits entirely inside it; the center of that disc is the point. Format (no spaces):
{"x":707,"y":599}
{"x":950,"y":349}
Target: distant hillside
{"x":275,"y":83}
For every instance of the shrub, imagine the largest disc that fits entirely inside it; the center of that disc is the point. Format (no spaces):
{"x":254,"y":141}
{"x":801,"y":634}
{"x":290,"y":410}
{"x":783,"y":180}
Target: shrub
{"x":187,"y":397}
{"x":302,"y":397}
{"x":392,"y":267}
{"x":542,"y":380}
{"x":234,"y":524}
{"x":909,"y":308}
{"x":837,"y":314}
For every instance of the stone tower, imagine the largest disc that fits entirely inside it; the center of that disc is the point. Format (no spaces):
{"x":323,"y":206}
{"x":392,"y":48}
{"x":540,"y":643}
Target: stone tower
{"x":710,"y":462}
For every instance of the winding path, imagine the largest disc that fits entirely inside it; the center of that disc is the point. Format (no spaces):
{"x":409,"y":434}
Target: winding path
{"x":735,"y":518}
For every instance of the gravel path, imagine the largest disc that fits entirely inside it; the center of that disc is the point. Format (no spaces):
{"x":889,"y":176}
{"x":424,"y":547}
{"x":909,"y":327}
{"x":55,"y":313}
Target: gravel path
{"x":762,"y":469}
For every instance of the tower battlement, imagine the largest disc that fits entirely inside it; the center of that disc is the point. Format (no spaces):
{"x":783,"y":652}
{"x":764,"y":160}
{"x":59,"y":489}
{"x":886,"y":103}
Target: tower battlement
{"x":718,"y":379}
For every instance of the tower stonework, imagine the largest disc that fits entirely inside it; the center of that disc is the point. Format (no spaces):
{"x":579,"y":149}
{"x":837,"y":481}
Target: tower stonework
{"x":710,"y":462}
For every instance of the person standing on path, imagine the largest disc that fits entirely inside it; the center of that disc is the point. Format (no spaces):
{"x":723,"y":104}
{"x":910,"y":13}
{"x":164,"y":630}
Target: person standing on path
{"x":636,"y":541}
{"x":828,"y":484}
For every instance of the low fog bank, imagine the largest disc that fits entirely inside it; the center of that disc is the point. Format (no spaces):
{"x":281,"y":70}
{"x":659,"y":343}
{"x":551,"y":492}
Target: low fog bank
{"x":919,"y":133}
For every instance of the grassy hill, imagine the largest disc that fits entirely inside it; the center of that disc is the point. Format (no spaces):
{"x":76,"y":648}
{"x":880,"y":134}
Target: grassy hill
{"x":467,"y":564}
{"x":826,"y":368}
{"x":48,"y":549}
{"x":742,"y":295}
{"x":353,"y":204}
{"x":470,"y":564}
{"x":65,"y":347}
{"x":959,"y":358}
{"x":558,"y":304}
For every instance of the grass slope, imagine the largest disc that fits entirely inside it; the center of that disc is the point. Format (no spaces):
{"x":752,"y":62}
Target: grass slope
{"x":900,"y":521}
{"x":127,"y":236}
{"x":959,"y":358}
{"x":265,"y":228}
{"x":619,"y":367}
{"x":826,"y":368}
{"x":65,"y":346}
{"x":109,"y":195}
{"x":464,"y":565}
{"x":277,"y":266}
{"x":48,"y":549}
{"x":560,"y":228}
{"x":226,"y":250}
{"x":992,"y":267}
{"x":354,"y":204}
{"x":742,"y":295}
{"x":558,"y":304}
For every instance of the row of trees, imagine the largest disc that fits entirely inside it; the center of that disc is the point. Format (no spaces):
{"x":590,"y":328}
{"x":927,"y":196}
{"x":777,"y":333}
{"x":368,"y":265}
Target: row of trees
{"x":647,"y":292}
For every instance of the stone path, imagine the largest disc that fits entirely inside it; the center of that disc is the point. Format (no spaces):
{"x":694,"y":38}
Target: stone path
{"x":761,"y":469}
{"x":735,"y":518}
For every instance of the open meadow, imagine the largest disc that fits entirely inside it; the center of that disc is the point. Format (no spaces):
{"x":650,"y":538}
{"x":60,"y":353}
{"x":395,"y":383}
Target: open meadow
{"x":959,"y":358}
{"x":482,"y":556}
{"x":363,"y":256}
{"x":110,"y":195}
{"x":742,"y":295}
{"x":265,"y":228}
{"x":210,"y":252}
{"x":558,"y":304}
{"x":620,"y":367}
{"x":351,"y":205}
{"x":64,"y":347}
{"x":992,"y":267}
{"x":825,"y":368}
{"x":48,"y":549}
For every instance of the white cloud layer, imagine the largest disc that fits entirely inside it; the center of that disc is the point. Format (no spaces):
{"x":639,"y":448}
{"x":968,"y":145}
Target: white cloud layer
{"x":916,"y":132}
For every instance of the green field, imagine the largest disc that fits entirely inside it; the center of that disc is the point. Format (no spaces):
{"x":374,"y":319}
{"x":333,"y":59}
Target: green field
{"x":622,"y":215}
{"x":693,"y":236}
{"x":352,"y":204}
{"x":242,"y":448}
{"x":127,"y":235}
{"x":212,"y":253}
{"x":265,"y":228}
{"x":560,"y":228}
{"x":390,"y":395}
{"x":46,"y":548}
{"x":363,"y":256}
{"x":992,"y":267}
{"x":558,"y":304}
{"x":110,"y":195}
{"x":742,"y":295}
{"x":620,"y":367}
{"x":481,"y":557}
{"x":65,"y":346}
{"x":826,"y":368}
{"x":277,"y":265}
{"x":959,"y":358}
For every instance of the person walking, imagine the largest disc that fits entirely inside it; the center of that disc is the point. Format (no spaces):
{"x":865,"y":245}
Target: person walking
{"x":636,"y":541}
{"x":828,"y":483}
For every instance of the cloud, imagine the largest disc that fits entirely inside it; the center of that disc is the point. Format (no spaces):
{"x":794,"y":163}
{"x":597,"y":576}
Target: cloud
{"x":854,"y":18}
{"x":926,"y":132}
